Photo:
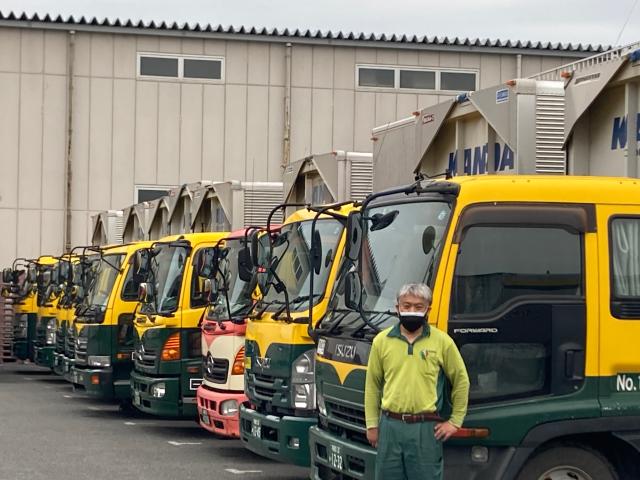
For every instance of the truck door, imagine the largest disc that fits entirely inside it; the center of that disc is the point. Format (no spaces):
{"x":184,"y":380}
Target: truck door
{"x":620,"y":310}
{"x":516,"y":308}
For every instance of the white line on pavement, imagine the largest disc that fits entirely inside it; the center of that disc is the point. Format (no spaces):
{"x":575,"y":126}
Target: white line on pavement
{"x":178,"y":444}
{"x":241,"y":472}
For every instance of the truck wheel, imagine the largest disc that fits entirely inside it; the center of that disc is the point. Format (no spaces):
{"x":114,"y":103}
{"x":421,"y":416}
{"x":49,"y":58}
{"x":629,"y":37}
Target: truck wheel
{"x":568,"y":463}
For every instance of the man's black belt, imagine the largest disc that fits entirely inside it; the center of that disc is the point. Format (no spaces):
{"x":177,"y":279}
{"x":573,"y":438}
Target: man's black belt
{"x":413,"y":417}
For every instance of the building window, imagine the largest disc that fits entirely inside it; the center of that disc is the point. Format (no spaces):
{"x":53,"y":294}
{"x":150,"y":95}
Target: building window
{"x":148,"y":193}
{"x":415,"y":78}
{"x":180,"y":67}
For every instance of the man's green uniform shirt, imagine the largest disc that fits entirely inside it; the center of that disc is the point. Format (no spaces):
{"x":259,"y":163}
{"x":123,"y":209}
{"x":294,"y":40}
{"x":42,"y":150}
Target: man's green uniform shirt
{"x":407,"y":378}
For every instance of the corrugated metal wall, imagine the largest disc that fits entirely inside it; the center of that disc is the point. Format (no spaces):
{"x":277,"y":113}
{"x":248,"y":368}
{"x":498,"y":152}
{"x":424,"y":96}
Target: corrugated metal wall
{"x":129,"y":131}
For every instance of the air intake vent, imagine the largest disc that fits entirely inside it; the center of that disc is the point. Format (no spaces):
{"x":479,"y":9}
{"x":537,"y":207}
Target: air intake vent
{"x":361,"y":179}
{"x":257,"y":205}
{"x":550,"y":157}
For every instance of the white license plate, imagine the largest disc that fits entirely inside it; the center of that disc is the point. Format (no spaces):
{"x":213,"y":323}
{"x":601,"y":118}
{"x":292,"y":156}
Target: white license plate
{"x":256,"y":428}
{"x":136,"y":398}
{"x":204,"y":416}
{"x":335,"y":457}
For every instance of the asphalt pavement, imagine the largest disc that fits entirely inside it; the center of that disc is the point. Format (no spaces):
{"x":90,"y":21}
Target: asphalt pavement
{"x":48,"y":431}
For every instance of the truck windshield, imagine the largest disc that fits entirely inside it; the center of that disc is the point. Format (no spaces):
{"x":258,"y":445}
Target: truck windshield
{"x":292,"y":254}
{"x":167,"y":269}
{"x":239,"y":292}
{"x":104,"y":279}
{"x":392,"y":256}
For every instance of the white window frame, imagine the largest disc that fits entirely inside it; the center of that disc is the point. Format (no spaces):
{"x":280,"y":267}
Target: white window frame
{"x":138,"y":187}
{"x":397,"y":68}
{"x":181,"y":58}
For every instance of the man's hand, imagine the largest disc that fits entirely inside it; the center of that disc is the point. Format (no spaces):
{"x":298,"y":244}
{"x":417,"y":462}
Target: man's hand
{"x":372,"y":436}
{"x":443,"y":431}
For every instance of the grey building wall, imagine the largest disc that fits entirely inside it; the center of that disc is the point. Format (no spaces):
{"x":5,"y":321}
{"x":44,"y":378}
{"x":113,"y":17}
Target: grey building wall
{"x":127,"y":131}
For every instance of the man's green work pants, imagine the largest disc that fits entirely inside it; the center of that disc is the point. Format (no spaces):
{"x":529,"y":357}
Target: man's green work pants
{"x":408,"y":451}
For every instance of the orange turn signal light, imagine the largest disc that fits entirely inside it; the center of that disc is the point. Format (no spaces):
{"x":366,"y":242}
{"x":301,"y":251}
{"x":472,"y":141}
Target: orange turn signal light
{"x":238,"y":363}
{"x":471,"y":433}
{"x":171,"y":350}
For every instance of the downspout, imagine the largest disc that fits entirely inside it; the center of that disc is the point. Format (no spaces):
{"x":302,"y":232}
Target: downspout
{"x":71,"y":46}
{"x":519,"y":65}
{"x":286,"y":151}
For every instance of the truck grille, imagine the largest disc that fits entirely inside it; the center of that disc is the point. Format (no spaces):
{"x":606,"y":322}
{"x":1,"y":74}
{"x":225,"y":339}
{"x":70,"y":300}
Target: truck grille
{"x":60,"y":338}
{"x":346,"y":421}
{"x":216,"y":370}
{"x":145,"y":356}
{"x":70,"y":343}
{"x":81,"y":349}
{"x":263,"y":385}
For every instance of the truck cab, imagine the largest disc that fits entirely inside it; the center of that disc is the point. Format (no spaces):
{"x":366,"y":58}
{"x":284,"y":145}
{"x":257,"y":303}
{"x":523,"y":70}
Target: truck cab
{"x":168,"y":357}
{"x":65,"y":308}
{"x":535,"y":279}
{"x":104,"y":337}
{"x":223,"y":335}
{"x":46,"y":322}
{"x":20,"y":287}
{"x":279,"y":368}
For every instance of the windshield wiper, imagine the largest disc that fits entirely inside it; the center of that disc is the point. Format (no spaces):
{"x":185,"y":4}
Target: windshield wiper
{"x":370,"y":323}
{"x":301,"y":298}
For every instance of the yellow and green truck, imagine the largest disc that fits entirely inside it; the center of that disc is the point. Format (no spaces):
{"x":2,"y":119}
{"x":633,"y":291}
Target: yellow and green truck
{"x":537,"y":279}
{"x":168,"y":355}
{"x":279,"y":351}
{"x":46,"y":321}
{"x":104,"y":333}
{"x":20,"y":287}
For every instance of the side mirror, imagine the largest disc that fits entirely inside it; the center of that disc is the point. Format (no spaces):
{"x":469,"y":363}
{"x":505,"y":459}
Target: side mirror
{"x":316,"y":252}
{"x":32,"y":274}
{"x":7,"y":275}
{"x":354,"y":236}
{"x":245,"y":264}
{"x":352,"y":291}
{"x":428,"y":239}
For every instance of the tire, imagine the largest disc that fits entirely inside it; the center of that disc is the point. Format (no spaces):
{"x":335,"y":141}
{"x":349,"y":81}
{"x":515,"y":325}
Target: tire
{"x":568,"y":463}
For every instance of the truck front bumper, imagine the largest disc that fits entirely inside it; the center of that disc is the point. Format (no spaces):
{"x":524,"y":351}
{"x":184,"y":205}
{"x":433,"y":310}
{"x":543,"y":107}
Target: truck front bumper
{"x":209,"y":412}
{"x":333,"y":457}
{"x":99,"y":383}
{"x":21,"y":349}
{"x":58,"y":367}
{"x":67,"y":365}
{"x":171,"y":403}
{"x":43,"y":356}
{"x":285,"y":439}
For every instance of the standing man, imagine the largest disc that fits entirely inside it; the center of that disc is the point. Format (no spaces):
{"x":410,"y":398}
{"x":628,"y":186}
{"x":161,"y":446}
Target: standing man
{"x":404,"y":390}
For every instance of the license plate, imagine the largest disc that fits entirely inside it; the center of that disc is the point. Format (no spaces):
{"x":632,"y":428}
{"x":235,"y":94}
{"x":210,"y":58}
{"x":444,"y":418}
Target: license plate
{"x":136,"y":398}
{"x":256,"y":428}
{"x":204,"y":416}
{"x":335,"y":457}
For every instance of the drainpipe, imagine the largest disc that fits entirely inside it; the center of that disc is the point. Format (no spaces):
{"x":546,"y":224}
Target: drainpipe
{"x":519,"y":65}
{"x":287,"y":107}
{"x":71,"y":46}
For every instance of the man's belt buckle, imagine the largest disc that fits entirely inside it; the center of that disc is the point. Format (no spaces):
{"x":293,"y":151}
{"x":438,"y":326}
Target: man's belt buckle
{"x":405,"y":416}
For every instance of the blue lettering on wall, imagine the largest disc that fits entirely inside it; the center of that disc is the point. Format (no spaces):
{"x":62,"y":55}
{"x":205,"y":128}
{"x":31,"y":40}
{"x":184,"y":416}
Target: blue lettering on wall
{"x":476,"y":159}
{"x":619,"y":132}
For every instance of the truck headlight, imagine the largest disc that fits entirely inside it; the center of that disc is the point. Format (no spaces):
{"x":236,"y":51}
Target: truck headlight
{"x":158,"y":390}
{"x":322,"y":407}
{"x":21,"y":327}
{"x":50,"y":337}
{"x":229,"y":407}
{"x":303,"y":381}
{"x":99,"y":360}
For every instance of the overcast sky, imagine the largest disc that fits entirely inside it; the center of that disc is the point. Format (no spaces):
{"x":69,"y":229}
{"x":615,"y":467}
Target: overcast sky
{"x":578,"y":21}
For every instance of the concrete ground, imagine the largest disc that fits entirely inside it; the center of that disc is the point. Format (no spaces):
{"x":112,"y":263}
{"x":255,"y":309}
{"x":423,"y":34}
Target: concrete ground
{"x":49,"y":432}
